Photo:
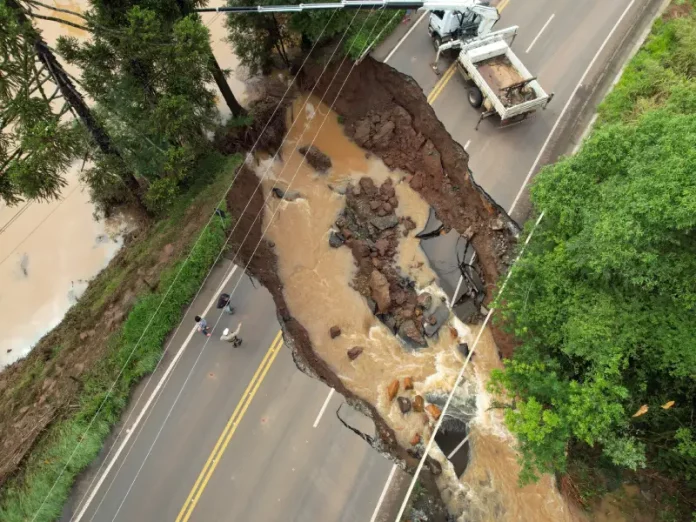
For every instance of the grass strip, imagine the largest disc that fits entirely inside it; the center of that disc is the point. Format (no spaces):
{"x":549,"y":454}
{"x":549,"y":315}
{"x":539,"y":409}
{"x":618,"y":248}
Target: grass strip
{"x":23,"y":495}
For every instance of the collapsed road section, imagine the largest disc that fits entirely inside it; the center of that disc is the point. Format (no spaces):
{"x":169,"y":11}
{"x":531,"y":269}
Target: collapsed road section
{"x":358,"y":300}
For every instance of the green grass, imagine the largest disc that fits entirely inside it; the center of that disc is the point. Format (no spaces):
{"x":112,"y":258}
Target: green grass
{"x":63,"y":452}
{"x":357,"y":41}
{"x":660,"y":74}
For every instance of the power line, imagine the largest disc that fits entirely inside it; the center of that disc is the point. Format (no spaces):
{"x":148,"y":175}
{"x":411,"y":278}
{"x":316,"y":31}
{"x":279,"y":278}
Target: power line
{"x":40,"y":223}
{"x":15,"y":217}
{"x":257,"y":245}
{"x":460,"y":376}
{"x":111,"y":388}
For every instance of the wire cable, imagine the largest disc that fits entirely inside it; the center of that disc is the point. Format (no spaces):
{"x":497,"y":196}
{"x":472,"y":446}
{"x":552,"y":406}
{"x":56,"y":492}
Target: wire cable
{"x":40,"y":223}
{"x":237,"y":284}
{"x":15,"y":217}
{"x":253,"y":148}
{"x":460,"y":376}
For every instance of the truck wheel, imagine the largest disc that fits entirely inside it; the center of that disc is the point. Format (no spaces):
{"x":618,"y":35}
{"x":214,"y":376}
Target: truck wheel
{"x":437,"y":41}
{"x":475,"y":97}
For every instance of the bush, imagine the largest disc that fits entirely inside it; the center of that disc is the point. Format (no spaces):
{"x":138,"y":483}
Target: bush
{"x":602,"y":299}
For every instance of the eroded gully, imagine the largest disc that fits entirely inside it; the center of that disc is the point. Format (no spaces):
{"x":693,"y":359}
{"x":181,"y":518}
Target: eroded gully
{"x":314,"y":229}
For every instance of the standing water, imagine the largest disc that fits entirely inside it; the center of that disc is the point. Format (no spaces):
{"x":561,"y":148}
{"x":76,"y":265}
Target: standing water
{"x":317,"y":284}
{"x":49,"y":251}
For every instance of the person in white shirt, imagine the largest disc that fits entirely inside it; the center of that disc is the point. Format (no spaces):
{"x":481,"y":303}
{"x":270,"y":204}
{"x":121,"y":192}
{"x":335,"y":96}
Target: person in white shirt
{"x":231,"y":337}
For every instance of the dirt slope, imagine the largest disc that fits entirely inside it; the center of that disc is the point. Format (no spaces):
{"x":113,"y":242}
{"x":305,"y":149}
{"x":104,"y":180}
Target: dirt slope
{"x":387,"y":113}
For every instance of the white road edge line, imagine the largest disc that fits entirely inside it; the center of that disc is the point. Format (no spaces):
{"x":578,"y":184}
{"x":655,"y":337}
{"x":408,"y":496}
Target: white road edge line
{"x":146,"y":406}
{"x":403,"y":38}
{"x":531,"y":171}
{"x":384,"y":494}
{"x":323,"y":408}
{"x":565,"y":107}
{"x":539,"y":33}
{"x":459,"y":446}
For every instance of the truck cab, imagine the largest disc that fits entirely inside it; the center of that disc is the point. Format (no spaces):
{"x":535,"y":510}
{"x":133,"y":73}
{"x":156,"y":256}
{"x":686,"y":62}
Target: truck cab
{"x":463,"y":25}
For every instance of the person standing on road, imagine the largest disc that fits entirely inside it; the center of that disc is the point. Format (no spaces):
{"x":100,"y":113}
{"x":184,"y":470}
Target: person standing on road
{"x":202,"y":325}
{"x":225,"y":303}
{"x":231,"y":337}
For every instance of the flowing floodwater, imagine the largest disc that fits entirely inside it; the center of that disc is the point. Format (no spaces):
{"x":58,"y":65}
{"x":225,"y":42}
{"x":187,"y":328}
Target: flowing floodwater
{"x":52,"y":250}
{"x":317,"y":288}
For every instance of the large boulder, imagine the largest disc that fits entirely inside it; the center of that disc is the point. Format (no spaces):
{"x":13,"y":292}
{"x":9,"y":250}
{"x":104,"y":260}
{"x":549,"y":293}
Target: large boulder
{"x":404,"y":404}
{"x":385,"y":222}
{"x":336,"y":239}
{"x":316,"y":158}
{"x":410,"y":333}
{"x":355,"y":352}
{"x":383,"y":135}
{"x":379,"y":287}
{"x":393,"y":389}
{"x":436,"y":320}
{"x":287,"y":195}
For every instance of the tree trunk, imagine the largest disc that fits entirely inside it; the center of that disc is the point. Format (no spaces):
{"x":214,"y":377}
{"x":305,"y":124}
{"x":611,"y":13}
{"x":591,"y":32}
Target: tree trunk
{"x":232,"y":103}
{"x":186,"y":8}
{"x":73,"y":97}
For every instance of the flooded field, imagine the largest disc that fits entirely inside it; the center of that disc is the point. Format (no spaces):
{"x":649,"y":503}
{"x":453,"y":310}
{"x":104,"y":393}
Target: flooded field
{"x":50,"y":251}
{"x":321,"y":280}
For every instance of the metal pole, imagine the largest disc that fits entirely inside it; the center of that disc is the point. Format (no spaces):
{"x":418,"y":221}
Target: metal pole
{"x":343,"y":4}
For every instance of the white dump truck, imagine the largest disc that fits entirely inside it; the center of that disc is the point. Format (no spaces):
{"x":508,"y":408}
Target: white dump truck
{"x":500,"y":83}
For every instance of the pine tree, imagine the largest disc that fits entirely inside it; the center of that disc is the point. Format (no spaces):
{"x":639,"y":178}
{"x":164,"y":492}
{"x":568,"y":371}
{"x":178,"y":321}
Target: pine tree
{"x":149,"y":73}
{"x":42,"y":145}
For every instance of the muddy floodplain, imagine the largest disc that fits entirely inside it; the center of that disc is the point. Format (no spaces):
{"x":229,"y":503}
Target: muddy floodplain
{"x":362,"y":309}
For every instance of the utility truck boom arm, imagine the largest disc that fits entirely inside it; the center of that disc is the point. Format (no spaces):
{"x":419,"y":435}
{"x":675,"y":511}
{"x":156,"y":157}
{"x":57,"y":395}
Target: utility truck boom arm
{"x":419,"y":5}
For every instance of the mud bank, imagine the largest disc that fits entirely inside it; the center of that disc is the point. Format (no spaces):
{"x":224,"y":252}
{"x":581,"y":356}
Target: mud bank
{"x":258,"y":255}
{"x":387,"y":113}
{"x":333,"y":234}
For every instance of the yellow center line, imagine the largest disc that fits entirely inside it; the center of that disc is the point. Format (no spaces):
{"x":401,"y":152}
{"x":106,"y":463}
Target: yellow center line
{"x":442,"y":82}
{"x":229,"y":430}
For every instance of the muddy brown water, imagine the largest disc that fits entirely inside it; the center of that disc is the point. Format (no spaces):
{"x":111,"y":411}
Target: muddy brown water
{"x":70,"y":247}
{"x":48,"y":271}
{"x":316,"y":280}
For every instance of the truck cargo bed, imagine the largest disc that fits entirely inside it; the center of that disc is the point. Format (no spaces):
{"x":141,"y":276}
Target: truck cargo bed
{"x":505,"y":82}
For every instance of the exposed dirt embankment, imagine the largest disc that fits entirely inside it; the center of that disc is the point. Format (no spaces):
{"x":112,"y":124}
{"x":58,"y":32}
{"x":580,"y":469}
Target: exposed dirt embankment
{"x":387,"y":113}
{"x":261,"y":261}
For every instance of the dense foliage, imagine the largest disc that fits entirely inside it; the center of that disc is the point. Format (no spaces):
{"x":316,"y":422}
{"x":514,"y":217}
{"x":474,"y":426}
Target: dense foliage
{"x":264,"y":41}
{"x":148,"y":72}
{"x":603,"y":299}
{"x":36,"y":145}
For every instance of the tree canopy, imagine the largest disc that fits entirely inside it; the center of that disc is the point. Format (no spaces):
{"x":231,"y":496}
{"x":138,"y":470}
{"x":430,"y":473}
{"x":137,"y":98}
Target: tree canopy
{"x":262,"y":41}
{"x":37,"y":145}
{"x":604,"y":297}
{"x":148,"y":71}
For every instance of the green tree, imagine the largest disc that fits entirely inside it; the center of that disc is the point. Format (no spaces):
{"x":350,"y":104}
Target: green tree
{"x":37,"y":143}
{"x":602,"y":302}
{"x":259,"y":40}
{"x":36,"y":148}
{"x":150,"y":75}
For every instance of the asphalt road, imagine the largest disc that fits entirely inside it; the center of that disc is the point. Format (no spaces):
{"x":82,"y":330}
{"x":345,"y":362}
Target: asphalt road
{"x":240,"y":434}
